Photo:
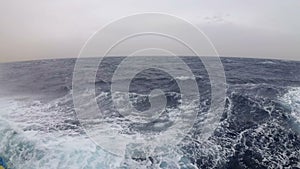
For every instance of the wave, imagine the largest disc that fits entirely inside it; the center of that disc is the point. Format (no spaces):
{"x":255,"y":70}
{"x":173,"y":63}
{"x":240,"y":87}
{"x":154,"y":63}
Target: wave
{"x":292,"y":98}
{"x":30,"y":139}
{"x":47,"y":135}
{"x":39,"y":134}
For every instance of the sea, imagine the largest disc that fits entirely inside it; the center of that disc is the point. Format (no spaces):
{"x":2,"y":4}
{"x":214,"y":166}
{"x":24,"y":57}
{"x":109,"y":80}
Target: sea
{"x":259,"y":126}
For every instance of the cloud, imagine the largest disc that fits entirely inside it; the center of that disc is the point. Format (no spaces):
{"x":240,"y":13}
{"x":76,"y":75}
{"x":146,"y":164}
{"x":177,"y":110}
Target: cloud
{"x":217,"y":18}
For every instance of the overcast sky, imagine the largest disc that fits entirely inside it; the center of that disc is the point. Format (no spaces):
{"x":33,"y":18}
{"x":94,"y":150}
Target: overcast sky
{"x":37,"y":29}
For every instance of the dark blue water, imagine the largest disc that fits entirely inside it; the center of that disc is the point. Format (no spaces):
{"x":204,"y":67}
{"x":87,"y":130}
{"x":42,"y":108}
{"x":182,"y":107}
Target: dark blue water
{"x":259,"y":128}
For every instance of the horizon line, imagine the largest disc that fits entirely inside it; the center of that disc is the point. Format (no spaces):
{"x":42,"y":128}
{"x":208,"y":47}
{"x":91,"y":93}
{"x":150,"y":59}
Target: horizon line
{"x":114,"y":56}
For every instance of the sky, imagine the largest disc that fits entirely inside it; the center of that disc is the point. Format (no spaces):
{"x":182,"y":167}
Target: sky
{"x":36,"y":29}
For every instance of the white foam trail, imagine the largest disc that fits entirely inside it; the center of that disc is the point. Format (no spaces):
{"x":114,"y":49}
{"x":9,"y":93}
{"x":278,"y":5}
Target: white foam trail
{"x":27,"y":144}
{"x":31,"y":137}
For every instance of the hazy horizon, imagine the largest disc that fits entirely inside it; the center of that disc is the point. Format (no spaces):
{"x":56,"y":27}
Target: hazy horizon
{"x":58,"y":58}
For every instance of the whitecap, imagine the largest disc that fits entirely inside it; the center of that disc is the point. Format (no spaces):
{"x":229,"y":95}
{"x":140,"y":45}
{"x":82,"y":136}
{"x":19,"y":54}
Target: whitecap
{"x":292,"y":98}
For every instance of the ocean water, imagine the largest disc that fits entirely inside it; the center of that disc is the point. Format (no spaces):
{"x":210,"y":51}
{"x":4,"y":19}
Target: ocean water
{"x":259,"y":128}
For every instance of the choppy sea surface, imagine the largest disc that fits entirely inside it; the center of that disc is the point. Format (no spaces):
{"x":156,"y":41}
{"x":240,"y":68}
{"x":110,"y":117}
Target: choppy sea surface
{"x":259,"y":128}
